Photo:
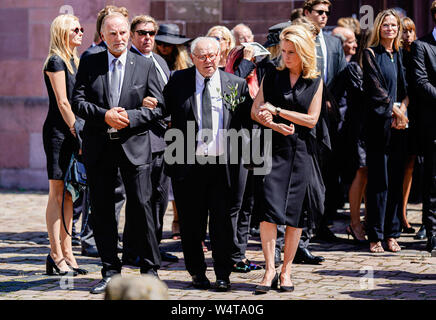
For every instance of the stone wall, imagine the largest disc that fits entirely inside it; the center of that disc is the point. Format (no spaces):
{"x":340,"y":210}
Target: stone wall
{"x":24,"y":38}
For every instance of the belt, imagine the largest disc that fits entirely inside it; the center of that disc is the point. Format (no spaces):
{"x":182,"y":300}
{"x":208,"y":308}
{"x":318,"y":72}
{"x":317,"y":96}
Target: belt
{"x":113,"y":135}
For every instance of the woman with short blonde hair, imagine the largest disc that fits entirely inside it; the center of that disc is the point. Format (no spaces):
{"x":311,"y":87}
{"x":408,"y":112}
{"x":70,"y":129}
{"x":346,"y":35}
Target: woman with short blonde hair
{"x":59,"y":138}
{"x":284,"y":191}
{"x":226,"y":40}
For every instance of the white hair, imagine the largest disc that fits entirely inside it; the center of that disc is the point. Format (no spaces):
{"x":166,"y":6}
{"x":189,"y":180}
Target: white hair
{"x":112,"y":16}
{"x":211,"y":39}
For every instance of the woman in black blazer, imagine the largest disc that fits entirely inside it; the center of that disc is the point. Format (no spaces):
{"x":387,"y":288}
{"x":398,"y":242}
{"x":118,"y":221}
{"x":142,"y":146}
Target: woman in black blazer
{"x":385,"y":86}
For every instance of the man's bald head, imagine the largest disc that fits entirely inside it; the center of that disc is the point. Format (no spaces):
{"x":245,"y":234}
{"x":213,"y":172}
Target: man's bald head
{"x":348,"y":39}
{"x":242,"y":33}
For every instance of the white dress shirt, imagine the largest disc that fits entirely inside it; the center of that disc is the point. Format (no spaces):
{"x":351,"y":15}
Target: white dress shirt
{"x":434,"y":33}
{"x":156,"y":64}
{"x":121,"y":67}
{"x":216,"y":146}
{"x":324,"y":53}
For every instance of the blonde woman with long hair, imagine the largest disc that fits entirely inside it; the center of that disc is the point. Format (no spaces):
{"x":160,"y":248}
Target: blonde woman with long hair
{"x":289,"y":102}
{"x":224,"y":36}
{"x":60,"y":69}
{"x":387,"y":102}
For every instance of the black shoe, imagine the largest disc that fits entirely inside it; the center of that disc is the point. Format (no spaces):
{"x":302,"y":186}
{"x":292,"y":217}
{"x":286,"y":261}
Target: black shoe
{"x":222,"y":285}
{"x":165,"y":256}
{"x":325,"y":234}
{"x":264,"y":289}
{"x":200,"y":282}
{"x":241,"y":267}
{"x":130,"y":261}
{"x":255,"y":232}
{"x":119,"y":248}
{"x":75,"y":242}
{"x":286,"y":288}
{"x":78,"y":270}
{"x":90,"y":251}
{"x":408,"y":230}
{"x":421,"y":234}
{"x":304,"y":256}
{"x":252,"y":266}
{"x":101,"y":286}
{"x":52,"y":269}
{"x":277,"y":257}
{"x":431,"y":245}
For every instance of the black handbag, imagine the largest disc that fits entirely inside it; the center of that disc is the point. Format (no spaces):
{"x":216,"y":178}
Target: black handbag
{"x":76,"y":176}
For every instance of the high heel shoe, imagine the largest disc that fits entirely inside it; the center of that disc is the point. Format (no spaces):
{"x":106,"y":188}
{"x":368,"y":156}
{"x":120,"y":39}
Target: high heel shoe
{"x":78,"y":270}
{"x":286,"y":288}
{"x":52,"y":269}
{"x":351,"y":233}
{"x":264,"y":289}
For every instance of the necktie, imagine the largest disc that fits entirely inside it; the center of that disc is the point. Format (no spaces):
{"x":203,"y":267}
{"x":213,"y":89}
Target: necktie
{"x":319,"y":57}
{"x":115,"y":83}
{"x":206,"y":108}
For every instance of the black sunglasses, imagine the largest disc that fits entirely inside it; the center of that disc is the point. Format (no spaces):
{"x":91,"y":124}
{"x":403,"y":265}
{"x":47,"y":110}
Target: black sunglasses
{"x":76,"y":31}
{"x":145,"y":32}
{"x":321,"y":12}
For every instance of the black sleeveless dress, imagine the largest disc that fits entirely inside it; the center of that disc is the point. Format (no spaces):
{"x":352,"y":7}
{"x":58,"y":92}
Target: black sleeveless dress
{"x":284,"y":191}
{"x":58,"y":141}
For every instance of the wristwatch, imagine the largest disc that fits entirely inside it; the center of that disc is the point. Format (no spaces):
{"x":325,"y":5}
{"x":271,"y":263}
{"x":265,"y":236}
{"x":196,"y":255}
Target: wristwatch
{"x":278,"y":111}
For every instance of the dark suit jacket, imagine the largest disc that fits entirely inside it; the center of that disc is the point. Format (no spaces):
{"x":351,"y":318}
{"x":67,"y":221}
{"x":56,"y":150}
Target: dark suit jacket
{"x":95,"y":49}
{"x":90,"y":102}
{"x":179,"y":96}
{"x":336,"y":63}
{"x":424,"y":68}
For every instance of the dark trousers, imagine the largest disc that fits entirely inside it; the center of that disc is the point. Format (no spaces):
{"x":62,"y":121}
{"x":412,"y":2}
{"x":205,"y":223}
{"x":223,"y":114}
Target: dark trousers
{"x":142,"y":239}
{"x":429,"y":194}
{"x":384,"y":190}
{"x":240,"y":212}
{"x":204,"y":192}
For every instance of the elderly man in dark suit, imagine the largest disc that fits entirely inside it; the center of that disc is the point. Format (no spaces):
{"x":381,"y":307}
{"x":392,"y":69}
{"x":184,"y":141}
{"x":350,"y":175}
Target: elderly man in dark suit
{"x":195,"y":99}
{"x":108,"y":95}
{"x":424,"y":66}
{"x":142,"y":32}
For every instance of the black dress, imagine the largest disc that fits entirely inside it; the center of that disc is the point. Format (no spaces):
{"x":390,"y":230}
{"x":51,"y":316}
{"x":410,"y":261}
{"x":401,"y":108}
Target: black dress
{"x":284,"y":192}
{"x":58,"y":141}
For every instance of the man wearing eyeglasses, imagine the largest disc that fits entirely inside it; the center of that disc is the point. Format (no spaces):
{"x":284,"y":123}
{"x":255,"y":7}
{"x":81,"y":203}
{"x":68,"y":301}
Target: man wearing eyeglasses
{"x":202,"y":182}
{"x":331,"y":62}
{"x":142,"y":33}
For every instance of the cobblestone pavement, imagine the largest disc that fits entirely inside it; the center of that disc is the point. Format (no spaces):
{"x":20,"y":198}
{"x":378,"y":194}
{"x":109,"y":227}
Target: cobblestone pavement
{"x":349,"y":272}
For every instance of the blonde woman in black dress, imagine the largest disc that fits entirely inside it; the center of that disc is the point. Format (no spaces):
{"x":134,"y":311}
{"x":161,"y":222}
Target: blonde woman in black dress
{"x":59,"y":135}
{"x":289,"y":102}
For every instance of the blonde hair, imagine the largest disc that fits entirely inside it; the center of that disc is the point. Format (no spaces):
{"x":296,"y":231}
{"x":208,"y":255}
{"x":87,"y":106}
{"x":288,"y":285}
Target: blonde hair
{"x":227,"y":36}
{"x":305,"y":48}
{"x":350,"y":23}
{"x":60,"y":41}
{"x":374,"y":39}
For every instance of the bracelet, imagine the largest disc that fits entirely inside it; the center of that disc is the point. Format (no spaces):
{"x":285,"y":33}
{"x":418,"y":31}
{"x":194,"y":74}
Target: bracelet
{"x":278,"y":111}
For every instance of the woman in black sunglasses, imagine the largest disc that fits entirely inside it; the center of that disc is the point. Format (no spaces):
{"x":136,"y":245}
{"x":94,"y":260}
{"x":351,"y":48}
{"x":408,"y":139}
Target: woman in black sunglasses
{"x":59,"y":137}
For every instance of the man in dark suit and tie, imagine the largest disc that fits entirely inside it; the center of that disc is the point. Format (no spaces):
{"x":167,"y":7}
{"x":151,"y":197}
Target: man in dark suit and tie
{"x":331,"y":62}
{"x":424,"y":66}
{"x":194,"y":99}
{"x":142,"y":33}
{"x":108,"y":95}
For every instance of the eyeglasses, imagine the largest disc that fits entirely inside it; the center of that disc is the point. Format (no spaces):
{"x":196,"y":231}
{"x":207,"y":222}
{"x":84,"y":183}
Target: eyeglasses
{"x":160,"y":43}
{"x":217,"y":38}
{"x":321,"y":12}
{"x":145,"y":32}
{"x":211,"y":57}
{"x":76,"y":31}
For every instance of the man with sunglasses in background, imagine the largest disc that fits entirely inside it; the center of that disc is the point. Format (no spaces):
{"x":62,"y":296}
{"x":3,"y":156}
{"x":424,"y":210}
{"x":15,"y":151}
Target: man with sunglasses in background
{"x":331,"y":61}
{"x":143,"y":30}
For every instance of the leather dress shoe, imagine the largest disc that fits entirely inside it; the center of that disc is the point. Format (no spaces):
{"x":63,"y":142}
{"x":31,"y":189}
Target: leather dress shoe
{"x":101,"y":286}
{"x":130,"y":261}
{"x":304,"y":256}
{"x":431,"y":245}
{"x":75,"y":242}
{"x":421,"y":234}
{"x":200,"y":282}
{"x":90,"y":251}
{"x":325,"y":234}
{"x":222,"y":285}
{"x":165,"y":256}
{"x":255,"y":232}
{"x":149,"y":271}
{"x":277,"y":257}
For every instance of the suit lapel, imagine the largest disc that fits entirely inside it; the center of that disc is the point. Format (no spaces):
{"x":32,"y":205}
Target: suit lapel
{"x":128,"y":73}
{"x":225,"y":91}
{"x":192,"y":88}
{"x":105,"y":76}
